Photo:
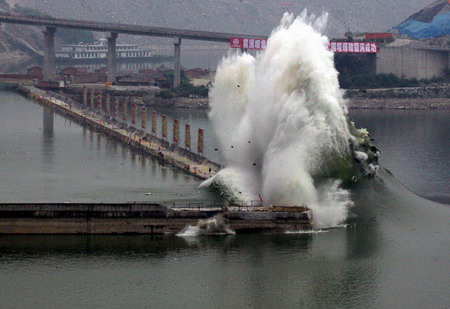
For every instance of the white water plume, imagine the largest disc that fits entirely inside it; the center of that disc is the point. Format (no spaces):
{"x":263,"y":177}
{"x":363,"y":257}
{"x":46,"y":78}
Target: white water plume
{"x":280,"y":118}
{"x":216,"y":225}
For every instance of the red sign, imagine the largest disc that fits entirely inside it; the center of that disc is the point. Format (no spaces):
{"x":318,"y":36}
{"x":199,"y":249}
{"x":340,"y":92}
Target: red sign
{"x":337,"y":47}
{"x":383,"y":35}
{"x":246,"y":43}
{"x":353,"y":47}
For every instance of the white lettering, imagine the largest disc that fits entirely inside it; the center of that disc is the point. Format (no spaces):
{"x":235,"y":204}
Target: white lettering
{"x":345,"y":47}
{"x":333,"y":46}
{"x":263,"y":44}
{"x":373,"y":48}
{"x":361,"y":47}
{"x":350,"y":47}
{"x":251,"y":43}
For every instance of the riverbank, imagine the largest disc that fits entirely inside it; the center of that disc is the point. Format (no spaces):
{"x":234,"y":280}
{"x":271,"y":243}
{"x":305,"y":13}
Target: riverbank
{"x":399,"y":103}
{"x":425,"y":98}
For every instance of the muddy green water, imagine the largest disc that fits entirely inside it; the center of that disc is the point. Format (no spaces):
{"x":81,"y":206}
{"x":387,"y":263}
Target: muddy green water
{"x":392,"y":254}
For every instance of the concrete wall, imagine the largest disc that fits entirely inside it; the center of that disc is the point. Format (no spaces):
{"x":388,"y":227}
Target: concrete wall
{"x":412,"y":63}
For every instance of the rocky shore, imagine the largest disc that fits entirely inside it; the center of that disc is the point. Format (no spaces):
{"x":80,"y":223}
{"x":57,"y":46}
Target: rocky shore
{"x":412,"y":98}
{"x":399,"y":103}
{"x":353,"y":103}
{"x":436,"y":97}
{"x":393,"y":98}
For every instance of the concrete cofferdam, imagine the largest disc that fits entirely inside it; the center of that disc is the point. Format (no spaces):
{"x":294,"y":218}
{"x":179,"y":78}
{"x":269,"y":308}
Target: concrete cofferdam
{"x":141,"y":218}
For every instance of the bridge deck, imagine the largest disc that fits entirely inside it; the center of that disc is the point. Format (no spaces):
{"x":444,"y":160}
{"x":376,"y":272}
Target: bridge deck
{"x":121,"y":28}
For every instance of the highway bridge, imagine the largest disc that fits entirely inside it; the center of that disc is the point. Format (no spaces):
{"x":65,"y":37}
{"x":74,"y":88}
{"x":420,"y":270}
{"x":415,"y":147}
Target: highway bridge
{"x":51,"y":24}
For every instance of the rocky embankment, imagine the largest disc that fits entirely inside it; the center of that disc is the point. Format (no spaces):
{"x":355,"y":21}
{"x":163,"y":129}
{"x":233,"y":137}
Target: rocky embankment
{"x":442,"y":91}
{"x":437,"y":97}
{"x":200,"y":103}
{"x":393,"y":98}
{"x":398,"y":98}
{"x":395,"y":103}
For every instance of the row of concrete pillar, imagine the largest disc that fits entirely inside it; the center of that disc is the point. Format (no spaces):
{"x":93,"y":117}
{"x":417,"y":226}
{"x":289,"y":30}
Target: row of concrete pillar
{"x":119,"y":110}
{"x":49,"y":56}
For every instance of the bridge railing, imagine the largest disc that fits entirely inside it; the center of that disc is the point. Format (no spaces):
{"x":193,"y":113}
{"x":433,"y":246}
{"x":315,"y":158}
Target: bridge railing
{"x":118,"y":27}
{"x":215,"y":206}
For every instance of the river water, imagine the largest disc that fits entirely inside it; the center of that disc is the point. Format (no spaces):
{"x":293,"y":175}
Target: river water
{"x":392,"y":254}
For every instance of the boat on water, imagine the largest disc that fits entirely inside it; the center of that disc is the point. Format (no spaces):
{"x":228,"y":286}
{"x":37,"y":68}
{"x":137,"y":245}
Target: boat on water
{"x":99,"y":50}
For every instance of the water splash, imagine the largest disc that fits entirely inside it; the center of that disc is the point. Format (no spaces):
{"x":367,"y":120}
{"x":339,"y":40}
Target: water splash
{"x":281,"y":121}
{"x":216,"y":225}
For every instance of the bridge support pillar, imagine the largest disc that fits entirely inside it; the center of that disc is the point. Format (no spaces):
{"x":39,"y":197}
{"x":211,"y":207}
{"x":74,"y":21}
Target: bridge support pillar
{"x":112,"y":58}
{"x":177,"y":62}
{"x":49,"y":53}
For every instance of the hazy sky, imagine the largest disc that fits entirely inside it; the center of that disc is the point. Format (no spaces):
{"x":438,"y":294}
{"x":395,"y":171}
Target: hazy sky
{"x":239,"y":16}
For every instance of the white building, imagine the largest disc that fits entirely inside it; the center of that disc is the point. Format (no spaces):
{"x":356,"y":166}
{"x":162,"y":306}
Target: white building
{"x":99,"y":50}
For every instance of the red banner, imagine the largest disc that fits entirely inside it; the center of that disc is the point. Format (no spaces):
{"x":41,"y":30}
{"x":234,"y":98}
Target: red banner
{"x":337,"y":47}
{"x":246,"y":43}
{"x":377,"y":35}
{"x":353,"y":47}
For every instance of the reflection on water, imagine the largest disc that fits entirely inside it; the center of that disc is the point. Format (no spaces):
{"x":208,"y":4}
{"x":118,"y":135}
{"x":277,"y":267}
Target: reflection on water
{"x":224,"y":271}
{"x":414,"y":147}
{"x":67,"y":162}
{"x":48,"y":142}
{"x":392,"y":254}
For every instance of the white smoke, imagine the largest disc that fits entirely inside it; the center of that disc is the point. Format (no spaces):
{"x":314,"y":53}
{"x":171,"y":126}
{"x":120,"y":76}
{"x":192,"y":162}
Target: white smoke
{"x":280,"y":118}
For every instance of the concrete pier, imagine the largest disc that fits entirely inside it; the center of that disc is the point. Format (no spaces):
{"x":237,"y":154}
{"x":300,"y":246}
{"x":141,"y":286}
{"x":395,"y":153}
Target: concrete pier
{"x":49,"y":53}
{"x":85,"y":94}
{"x":177,"y":62}
{"x":108,"y":104}
{"x":91,"y":103}
{"x":183,"y":159}
{"x":112,"y":58}
{"x":124,"y":110}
